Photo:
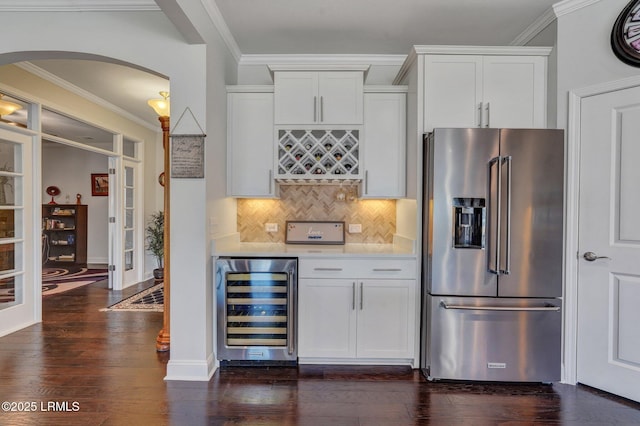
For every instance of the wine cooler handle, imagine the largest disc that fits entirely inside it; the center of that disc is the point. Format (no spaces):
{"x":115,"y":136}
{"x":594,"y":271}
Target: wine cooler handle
{"x":290,"y":316}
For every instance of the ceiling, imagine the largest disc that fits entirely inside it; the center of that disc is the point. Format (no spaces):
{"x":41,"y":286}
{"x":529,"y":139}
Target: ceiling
{"x":250,"y":27}
{"x":374,"y":26}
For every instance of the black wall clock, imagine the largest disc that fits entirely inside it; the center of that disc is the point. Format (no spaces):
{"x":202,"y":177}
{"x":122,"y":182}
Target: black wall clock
{"x":625,"y":35}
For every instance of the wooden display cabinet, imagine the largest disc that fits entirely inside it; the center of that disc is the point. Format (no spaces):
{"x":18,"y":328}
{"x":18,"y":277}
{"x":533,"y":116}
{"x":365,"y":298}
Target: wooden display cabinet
{"x":64,"y":234}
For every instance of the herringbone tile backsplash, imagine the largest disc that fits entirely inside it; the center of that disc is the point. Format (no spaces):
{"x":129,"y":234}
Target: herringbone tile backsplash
{"x":378,"y":217}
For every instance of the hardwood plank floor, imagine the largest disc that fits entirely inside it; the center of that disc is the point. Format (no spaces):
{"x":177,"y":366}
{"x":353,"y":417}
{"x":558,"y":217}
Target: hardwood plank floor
{"x":101,"y":368}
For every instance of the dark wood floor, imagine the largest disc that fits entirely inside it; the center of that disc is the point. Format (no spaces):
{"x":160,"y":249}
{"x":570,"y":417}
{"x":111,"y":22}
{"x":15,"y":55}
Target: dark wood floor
{"x":106,"y":363}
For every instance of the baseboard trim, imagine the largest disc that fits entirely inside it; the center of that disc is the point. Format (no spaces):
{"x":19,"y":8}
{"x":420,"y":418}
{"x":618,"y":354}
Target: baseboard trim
{"x":191,"y":370}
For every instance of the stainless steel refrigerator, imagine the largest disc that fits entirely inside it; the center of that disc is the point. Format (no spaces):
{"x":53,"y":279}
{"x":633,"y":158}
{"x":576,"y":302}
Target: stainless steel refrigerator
{"x":492,"y":254}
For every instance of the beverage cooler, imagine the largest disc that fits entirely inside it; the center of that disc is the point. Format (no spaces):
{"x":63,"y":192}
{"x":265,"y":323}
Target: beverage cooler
{"x":256,"y":310}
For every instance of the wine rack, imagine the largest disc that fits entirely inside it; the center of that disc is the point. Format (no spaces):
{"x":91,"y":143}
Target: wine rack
{"x":317,"y":155}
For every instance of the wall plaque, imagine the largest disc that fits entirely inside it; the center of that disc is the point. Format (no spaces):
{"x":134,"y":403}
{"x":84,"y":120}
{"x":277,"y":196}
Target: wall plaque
{"x":187,"y":156}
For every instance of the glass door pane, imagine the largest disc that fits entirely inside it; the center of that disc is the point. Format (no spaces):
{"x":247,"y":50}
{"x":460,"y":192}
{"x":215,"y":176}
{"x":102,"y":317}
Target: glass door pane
{"x":11,"y":211}
{"x":130,"y":226}
{"x":17,"y":283}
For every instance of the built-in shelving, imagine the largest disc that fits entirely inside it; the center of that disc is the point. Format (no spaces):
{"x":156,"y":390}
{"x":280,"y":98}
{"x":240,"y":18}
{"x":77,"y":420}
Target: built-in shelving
{"x":64,"y":234}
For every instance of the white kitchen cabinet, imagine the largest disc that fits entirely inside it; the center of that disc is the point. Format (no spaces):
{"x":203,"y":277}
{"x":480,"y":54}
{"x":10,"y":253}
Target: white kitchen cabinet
{"x":385,"y":319}
{"x":250,"y":144}
{"x":345,"y":317}
{"x":384,"y":142}
{"x":325,"y":97}
{"x":484,"y":91}
{"x":326,"y":318}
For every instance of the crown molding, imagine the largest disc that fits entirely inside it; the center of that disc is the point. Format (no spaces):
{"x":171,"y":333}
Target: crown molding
{"x":386,"y":89}
{"x":483,"y":50}
{"x":250,"y":88}
{"x":64,"y":84}
{"x":322,"y":60}
{"x":569,"y":6}
{"x":465,"y":50}
{"x":406,"y":66}
{"x":221,"y":25}
{"x":543,"y":21}
{"x":75,"y":5}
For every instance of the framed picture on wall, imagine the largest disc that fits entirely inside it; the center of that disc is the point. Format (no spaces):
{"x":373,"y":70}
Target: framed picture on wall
{"x":99,"y":184}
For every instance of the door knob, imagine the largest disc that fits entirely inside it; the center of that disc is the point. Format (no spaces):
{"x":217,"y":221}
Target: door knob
{"x":591,"y":256}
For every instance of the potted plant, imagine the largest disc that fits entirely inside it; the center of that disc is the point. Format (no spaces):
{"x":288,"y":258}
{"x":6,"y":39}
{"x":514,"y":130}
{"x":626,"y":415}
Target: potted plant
{"x":155,"y":241}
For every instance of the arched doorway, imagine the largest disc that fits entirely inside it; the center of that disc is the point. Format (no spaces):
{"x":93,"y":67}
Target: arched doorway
{"x":125,"y":155}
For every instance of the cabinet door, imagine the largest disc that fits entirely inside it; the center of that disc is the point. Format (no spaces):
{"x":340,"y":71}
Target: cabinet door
{"x":514,"y":91}
{"x":340,"y":97}
{"x":452,"y":91}
{"x":384,"y":144}
{"x":296,"y":97}
{"x":250,"y":145}
{"x":326,"y":318}
{"x":386,"y":319}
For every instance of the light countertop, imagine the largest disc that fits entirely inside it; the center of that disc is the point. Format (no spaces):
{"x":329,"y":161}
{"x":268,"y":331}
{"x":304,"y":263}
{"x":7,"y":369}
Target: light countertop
{"x":231,"y":246}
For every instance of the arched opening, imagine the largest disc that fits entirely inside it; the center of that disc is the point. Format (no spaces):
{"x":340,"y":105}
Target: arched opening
{"x":106,"y":97}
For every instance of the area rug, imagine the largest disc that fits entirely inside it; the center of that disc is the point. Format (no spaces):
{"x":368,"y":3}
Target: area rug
{"x":149,"y":300}
{"x":56,"y":280}
{"x":59,"y":280}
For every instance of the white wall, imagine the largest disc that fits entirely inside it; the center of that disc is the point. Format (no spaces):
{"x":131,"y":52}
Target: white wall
{"x":379,"y":74}
{"x":548,"y":37}
{"x":70,"y":170}
{"x":585,"y":57}
{"x":149,"y":40}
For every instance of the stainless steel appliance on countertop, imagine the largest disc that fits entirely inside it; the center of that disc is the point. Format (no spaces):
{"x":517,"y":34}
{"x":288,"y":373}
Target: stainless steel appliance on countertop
{"x":492,"y":255}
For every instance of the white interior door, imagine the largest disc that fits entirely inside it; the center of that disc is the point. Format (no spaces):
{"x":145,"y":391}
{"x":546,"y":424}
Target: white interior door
{"x":19,"y":291}
{"x":608,"y":343}
{"x":116,"y":256}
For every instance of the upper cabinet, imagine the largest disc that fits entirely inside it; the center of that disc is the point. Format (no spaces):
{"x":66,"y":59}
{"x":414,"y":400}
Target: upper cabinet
{"x":465,"y":90}
{"x":318,"y":97}
{"x":384,"y":143}
{"x":250,"y":141}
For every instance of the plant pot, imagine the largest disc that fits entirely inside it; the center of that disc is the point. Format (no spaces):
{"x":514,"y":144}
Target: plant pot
{"x":158,"y":274}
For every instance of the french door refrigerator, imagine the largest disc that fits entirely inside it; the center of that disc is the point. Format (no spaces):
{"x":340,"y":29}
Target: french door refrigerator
{"x":492,"y":255}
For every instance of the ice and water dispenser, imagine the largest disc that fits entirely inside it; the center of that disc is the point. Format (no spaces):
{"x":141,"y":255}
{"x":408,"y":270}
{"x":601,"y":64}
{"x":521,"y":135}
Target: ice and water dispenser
{"x":469,"y":222}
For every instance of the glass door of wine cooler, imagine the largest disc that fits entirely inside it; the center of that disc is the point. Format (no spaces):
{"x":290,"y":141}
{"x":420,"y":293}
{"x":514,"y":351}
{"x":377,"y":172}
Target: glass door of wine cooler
{"x":256,"y":309}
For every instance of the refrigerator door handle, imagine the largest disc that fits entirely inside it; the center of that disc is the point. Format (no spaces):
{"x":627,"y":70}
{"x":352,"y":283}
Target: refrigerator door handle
{"x":494,"y":234}
{"x":507,"y":267}
{"x":445,"y":305}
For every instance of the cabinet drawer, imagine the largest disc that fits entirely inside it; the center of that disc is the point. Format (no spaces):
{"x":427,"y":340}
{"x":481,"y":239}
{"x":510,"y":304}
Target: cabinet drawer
{"x":357,"y":268}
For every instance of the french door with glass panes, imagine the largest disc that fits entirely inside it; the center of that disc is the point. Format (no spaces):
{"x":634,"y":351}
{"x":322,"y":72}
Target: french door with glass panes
{"x":19,"y":295}
{"x":132,"y":231}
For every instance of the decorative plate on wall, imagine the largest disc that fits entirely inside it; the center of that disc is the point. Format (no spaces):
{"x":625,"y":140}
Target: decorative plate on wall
{"x":625,"y":35}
